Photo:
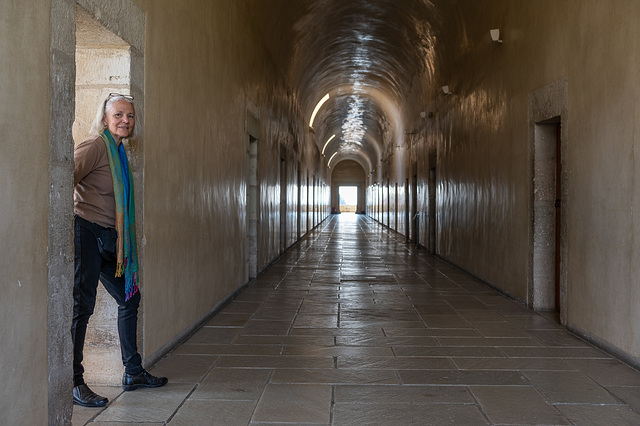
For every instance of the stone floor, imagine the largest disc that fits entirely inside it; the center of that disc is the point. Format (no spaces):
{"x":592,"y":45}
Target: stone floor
{"x":353,"y":327}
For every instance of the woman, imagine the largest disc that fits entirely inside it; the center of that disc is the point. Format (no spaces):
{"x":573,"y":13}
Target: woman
{"x":105,"y":244}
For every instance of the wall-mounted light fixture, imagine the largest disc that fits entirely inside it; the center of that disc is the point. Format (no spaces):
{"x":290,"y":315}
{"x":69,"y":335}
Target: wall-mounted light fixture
{"x":495,"y":35}
{"x":446,"y":91}
{"x":315,"y":111}
{"x":327,"y":143}
{"x":329,"y":163}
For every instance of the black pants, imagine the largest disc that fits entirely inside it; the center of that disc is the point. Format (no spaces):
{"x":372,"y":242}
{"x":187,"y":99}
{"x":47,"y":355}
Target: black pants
{"x":89,"y":268}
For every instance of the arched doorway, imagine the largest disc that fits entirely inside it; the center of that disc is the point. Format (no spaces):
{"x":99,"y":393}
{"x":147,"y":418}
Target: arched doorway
{"x":348,"y":173}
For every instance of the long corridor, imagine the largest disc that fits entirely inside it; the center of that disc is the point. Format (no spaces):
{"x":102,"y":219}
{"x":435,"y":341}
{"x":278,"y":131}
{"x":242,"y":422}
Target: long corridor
{"x":352,"y":326}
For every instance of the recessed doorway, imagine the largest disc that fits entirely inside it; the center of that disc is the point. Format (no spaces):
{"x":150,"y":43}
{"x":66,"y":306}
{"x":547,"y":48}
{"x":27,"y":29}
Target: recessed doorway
{"x":548,"y":112}
{"x":103,"y":66}
{"x":251,"y":249}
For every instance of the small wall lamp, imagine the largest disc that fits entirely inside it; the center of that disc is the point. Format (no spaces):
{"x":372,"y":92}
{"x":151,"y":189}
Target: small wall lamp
{"x":315,"y":111}
{"x":446,"y":91}
{"x":495,"y":35}
{"x":329,"y":163}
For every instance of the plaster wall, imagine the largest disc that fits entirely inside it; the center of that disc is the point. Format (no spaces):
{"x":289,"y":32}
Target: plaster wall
{"x":24,"y":191}
{"x":399,"y":171}
{"x":206,"y":69}
{"x":604,"y":183}
{"x":480,"y":134}
{"x":484,"y":160}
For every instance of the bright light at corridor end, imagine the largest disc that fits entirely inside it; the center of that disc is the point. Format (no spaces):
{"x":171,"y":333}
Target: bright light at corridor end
{"x":327,"y":143}
{"x":315,"y":111}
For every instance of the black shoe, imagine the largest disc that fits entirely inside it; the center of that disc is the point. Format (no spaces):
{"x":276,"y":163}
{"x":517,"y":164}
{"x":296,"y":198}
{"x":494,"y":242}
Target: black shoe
{"x":142,"y":380}
{"x":84,"y":396}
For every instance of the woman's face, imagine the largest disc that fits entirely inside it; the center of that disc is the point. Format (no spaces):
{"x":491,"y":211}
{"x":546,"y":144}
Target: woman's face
{"x":120,"y":119}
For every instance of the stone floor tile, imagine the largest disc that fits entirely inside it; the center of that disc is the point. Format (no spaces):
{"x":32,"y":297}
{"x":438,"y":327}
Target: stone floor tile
{"x":316,"y":321}
{"x":554,"y":352}
{"x":232,"y":384}
{"x":377,"y":314}
{"x":481,"y":315}
{"x":434,"y":306}
{"x":525,"y":405}
{"x":384,"y":394}
{"x":558,"y":338}
{"x":407,"y":414}
{"x":294,"y":403}
{"x":334,"y":376}
{"x":597,"y":415}
{"x":224,"y":319}
{"x":442,"y":284}
{"x":271,"y":362}
{"x":82,"y":415}
{"x":548,"y":364}
{"x":253,"y":296}
{"x":379,"y":324}
{"x":337,"y":350}
{"x":328,"y":308}
{"x":445,"y":321}
{"x":357,"y":302}
{"x":488,"y":341}
{"x":276,"y":314}
{"x":373,"y":330}
{"x":126,"y":423}
{"x":239,"y":349}
{"x":285,"y":299}
{"x":569,"y":387}
{"x":510,"y":309}
{"x":450,"y":351}
{"x":628,"y":394}
{"x":241,"y":307}
{"x":285,"y":340}
{"x":210,"y":413}
{"x":394,"y":363}
{"x":466,"y":303}
{"x":533,"y":322}
{"x":214,"y":334}
{"x":431,"y":332}
{"x":383,"y":341}
{"x":266,"y":282}
{"x":462,"y":377}
{"x":184,"y":368}
{"x":502,"y":329}
{"x":146,"y":405}
{"x":266,"y":327}
{"x":608,"y":372}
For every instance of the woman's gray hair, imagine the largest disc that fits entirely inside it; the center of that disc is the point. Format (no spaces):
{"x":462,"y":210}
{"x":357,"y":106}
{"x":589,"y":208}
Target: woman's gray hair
{"x":98,"y":123}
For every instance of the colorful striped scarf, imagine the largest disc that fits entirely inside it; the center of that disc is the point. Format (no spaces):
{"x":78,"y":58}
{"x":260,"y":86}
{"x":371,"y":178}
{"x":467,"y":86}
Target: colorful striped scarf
{"x":125,"y":214}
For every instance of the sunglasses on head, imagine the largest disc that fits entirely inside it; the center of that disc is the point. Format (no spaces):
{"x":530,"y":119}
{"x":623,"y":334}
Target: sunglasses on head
{"x":119,"y":95}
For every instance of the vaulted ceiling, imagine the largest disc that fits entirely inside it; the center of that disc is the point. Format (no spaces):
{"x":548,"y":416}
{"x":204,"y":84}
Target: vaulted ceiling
{"x":370,"y":56}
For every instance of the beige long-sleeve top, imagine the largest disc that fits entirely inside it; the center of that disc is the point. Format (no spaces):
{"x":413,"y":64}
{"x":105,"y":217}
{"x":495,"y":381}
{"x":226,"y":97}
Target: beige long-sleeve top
{"x":93,"y":197}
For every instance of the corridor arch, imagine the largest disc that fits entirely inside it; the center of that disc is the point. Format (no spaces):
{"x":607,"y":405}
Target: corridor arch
{"x":351,"y":173}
